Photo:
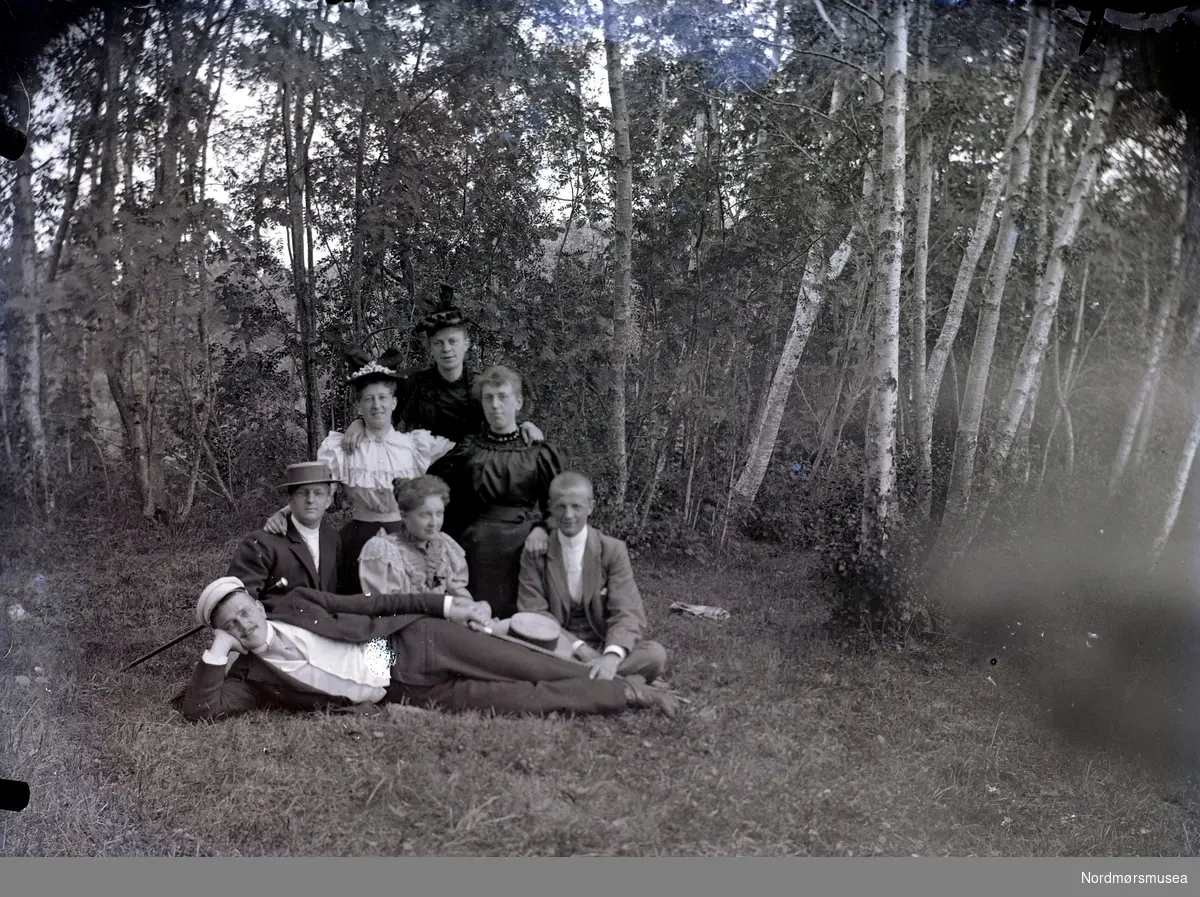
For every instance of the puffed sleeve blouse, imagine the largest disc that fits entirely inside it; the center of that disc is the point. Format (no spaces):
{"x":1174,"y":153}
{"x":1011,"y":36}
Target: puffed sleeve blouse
{"x":368,"y":471}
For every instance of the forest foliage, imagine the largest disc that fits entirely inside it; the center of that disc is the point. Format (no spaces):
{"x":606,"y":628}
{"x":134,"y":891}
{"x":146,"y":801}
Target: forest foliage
{"x":880,"y":279}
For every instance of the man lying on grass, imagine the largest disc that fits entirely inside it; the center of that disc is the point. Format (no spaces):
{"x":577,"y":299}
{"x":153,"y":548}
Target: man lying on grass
{"x":309,"y":650}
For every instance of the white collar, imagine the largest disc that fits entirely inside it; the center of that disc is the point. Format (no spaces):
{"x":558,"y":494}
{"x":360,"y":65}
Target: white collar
{"x":309,"y":532}
{"x":386,"y":436}
{"x":575,"y":542}
{"x":270,"y":637}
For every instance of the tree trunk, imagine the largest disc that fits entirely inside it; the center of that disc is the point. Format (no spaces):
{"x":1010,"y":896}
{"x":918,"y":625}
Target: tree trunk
{"x":622,"y":187}
{"x":25,"y":322}
{"x":1145,"y":430}
{"x":1182,"y":474}
{"x":1020,"y":450}
{"x":879,"y":499}
{"x":296,"y":162}
{"x":809,"y":302}
{"x":1048,"y":289}
{"x":1138,"y":416}
{"x":134,"y":424}
{"x":1064,"y":382}
{"x":6,"y":424}
{"x":357,"y":328}
{"x":966,"y":440}
{"x":923,"y":421}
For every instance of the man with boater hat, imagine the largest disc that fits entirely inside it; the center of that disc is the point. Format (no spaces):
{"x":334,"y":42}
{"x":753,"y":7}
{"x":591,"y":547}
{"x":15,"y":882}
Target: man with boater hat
{"x":439,"y":398}
{"x":302,"y":647}
{"x":309,"y":555}
{"x":309,"y":650}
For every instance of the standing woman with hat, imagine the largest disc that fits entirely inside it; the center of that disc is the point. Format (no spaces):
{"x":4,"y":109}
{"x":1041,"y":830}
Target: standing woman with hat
{"x":441,"y":398}
{"x":502,"y":488}
{"x":368,"y":471}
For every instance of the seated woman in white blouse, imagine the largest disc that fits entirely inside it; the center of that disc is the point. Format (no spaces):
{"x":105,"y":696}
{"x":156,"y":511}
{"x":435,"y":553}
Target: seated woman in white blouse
{"x":367,"y":472}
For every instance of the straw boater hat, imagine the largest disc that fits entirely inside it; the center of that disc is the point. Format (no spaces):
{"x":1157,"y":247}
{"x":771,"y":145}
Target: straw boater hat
{"x":443,"y":315}
{"x":539,"y":631}
{"x":307,"y":473}
{"x":213,"y":594}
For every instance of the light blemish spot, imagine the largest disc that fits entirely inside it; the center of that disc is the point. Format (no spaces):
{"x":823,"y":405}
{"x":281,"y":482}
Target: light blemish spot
{"x":380,"y":656}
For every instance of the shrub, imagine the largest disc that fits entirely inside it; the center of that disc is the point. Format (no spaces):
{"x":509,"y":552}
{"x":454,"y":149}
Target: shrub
{"x":876,"y":592}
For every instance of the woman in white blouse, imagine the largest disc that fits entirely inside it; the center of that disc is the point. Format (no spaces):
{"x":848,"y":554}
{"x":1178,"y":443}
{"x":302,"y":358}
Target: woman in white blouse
{"x":367,"y":472}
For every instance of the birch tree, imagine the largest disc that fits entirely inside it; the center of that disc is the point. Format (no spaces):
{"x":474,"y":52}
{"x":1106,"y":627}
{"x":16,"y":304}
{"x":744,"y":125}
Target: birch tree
{"x":1183,"y":472}
{"x":931,"y":377}
{"x":1049,"y":288}
{"x":1139,"y":417}
{"x":971,"y":409}
{"x":622,"y":187}
{"x":919,"y":301}
{"x":879,"y":503}
{"x":810,"y":299}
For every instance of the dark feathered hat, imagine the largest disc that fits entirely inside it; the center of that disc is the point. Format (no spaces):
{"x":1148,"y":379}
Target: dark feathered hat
{"x":444,"y":314}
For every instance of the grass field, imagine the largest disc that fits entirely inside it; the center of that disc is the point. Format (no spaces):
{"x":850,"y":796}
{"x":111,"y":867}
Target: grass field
{"x":789,"y":747}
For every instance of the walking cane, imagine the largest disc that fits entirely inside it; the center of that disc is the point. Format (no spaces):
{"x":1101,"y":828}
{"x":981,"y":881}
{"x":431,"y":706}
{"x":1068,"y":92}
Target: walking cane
{"x":281,"y":583}
{"x":172,"y":642}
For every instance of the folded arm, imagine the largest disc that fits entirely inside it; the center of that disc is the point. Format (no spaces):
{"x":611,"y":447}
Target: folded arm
{"x":431,"y":604}
{"x":210,"y":695}
{"x":625,"y":614}
{"x":459,"y":578}
{"x":531,"y":588}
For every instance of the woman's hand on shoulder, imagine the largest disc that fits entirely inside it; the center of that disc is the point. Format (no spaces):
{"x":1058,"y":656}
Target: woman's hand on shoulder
{"x":537,"y":541}
{"x":277,"y":523}
{"x":532,"y":433}
{"x":354,"y":435}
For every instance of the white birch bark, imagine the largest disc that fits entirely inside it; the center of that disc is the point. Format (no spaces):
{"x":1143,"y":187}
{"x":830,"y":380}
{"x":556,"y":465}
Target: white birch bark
{"x":1182,"y":474}
{"x":919,"y":303}
{"x":1064,"y":382}
{"x":879,"y":486}
{"x":809,"y":301}
{"x":966,"y":441}
{"x":1137,"y":418}
{"x":1049,"y":288}
{"x":622,"y":186}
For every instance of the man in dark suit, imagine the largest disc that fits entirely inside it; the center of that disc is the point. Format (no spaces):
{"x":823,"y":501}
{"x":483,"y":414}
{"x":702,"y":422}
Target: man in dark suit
{"x":309,"y":555}
{"x":301,"y":647}
{"x":308,"y":650}
{"x":584,"y":581}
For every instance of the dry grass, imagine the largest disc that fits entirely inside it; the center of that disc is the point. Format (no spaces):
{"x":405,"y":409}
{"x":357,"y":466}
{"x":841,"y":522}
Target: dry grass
{"x":788,"y":746}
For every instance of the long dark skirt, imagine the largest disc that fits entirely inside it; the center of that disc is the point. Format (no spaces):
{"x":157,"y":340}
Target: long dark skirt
{"x":355,"y":535}
{"x":493,"y":544}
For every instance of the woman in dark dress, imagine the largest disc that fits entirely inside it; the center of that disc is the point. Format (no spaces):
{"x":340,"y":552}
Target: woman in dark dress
{"x":503,"y":487}
{"x":441,"y":398}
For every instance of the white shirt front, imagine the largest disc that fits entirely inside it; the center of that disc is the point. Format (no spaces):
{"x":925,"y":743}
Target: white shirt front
{"x":572,"y":549}
{"x":312,"y":538}
{"x":360,"y":672}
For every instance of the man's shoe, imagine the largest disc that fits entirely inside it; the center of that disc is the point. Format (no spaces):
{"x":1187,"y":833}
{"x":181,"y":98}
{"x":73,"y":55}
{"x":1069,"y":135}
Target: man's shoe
{"x":644,"y":696}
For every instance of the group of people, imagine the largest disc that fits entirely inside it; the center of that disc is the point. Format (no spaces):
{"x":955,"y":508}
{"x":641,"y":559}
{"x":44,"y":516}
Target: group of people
{"x":463,"y":522}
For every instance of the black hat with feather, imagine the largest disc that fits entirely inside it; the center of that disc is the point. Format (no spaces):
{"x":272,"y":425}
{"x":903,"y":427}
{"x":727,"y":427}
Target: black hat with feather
{"x":444,"y":314}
